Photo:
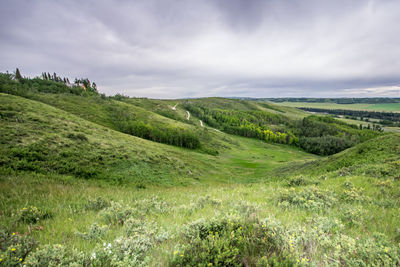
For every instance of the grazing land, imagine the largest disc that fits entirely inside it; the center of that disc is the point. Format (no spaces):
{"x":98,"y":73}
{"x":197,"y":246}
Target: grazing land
{"x":388,"y":107}
{"x":91,"y":180}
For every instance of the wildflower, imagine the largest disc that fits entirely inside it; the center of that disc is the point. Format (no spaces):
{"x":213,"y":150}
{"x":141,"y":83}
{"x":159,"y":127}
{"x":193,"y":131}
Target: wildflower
{"x":13,"y":233}
{"x":175,"y":252}
{"x":181,"y":255}
{"x":12,"y":249}
{"x":210,"y":264}
{"x":20,"y":259}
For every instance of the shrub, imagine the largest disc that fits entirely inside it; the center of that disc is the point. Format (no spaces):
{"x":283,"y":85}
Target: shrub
{"x":56,"y":255}
{"x":353,"y":216}
{"x":207,"y":200}
{"x":245,"y":208}
{"x":229,"y":241}
{"x":78,"y":137}
{"x":32,"y":215}
{"x":351,"y":193}
{"x":311,"y":198}
{"x":300,"y":180}
{"x":95,"y":232}
{"x":97,"y":204}
{"x":14,"y":248}
{"x":117,"y":213}
{"x":126,"y":251}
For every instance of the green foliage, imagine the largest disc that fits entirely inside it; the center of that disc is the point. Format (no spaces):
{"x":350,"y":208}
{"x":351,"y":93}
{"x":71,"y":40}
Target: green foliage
{"x":79,"y":136}
{"x":56,"y":255}
{"x":300,"y":180}
{"x":311,"y":198}
{"x":351,"y":193}
{"x":95,"y":232}
{"x":229,"y":241}
{"x":14,"y":248}
{"x":326,"y":145}
{"x":315,"y":134}
{"x":167,"y":135}
{"x":32,"y":215}
{"x":97,"y":204}
{"x":28,"y":87}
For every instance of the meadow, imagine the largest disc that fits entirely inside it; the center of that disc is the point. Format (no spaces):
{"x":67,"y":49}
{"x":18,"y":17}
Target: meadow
{"x":388,"y":107}
{"x":76,"y":190}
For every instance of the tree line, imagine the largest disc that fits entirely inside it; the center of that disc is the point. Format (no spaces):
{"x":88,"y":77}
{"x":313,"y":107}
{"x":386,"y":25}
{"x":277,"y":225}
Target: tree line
{"x":387,"y":116}
{"x":320,"y":135}
{"x":369,"y":100}
{"x":15,"y":83}
{"x":52,"y":83}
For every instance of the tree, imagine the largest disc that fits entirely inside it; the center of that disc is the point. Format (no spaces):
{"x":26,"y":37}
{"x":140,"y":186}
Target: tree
{"x":18,"y":75}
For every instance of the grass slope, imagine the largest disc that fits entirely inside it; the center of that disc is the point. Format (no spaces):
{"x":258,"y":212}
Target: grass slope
{"x":254,"y":204}
{"x":377,"y":157}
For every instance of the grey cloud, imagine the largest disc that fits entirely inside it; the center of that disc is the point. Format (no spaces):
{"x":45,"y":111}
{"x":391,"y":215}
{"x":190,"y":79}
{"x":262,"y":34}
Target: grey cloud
{"x":177,"y":48}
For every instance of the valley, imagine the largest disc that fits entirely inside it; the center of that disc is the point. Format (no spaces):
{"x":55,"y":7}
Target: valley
{"x":92,"y":180}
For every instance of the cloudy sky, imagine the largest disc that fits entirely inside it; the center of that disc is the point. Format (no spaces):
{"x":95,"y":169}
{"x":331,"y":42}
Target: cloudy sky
{"x":198,"y":48}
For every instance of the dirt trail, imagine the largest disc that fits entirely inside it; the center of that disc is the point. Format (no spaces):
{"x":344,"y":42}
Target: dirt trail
{"x":174,"y":107}
{"x":201,"y":124}
{"x":188,"y":115}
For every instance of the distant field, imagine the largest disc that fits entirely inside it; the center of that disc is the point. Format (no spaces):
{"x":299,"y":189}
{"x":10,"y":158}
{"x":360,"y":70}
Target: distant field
{"x":365,"y":124}
{"x":388,"y":107}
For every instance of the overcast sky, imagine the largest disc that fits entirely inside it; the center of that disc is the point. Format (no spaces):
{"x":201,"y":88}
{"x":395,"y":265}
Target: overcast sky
{"x":198,"y":48}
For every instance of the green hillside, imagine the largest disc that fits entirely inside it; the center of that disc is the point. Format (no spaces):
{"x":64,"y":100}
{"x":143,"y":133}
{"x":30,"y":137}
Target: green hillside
{"x":81,"y":184}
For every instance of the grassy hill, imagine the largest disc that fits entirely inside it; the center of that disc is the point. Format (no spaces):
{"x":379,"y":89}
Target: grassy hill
{"x":77,"y":188}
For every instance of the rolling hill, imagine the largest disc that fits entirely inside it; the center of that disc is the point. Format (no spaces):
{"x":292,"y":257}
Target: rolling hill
{"x":92,"y":180}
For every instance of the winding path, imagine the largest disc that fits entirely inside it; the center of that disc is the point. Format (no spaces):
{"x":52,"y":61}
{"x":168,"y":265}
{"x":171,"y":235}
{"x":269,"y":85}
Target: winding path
{"x":188,"y":115}
{"x":174,"y":107}
{"x":201,"y":124}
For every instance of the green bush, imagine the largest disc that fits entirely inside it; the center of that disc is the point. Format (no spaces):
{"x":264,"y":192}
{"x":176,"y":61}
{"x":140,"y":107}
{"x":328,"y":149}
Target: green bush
{"x":95,"y":232}
{"x":300,"y":180}
{"x":229,"y":241}
{"x":311,"y":198}
{"x":56,"y":255}
{"x":79,"y":137}
{"x":32,"y":215}
{"x":14,"y":248}
{"x":97,"y":204}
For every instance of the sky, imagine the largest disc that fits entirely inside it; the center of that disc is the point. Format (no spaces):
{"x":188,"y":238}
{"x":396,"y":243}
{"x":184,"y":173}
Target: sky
{"x":202,"y":48}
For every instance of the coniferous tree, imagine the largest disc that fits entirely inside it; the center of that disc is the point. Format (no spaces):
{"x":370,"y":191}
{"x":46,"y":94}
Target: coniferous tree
{"x":18,"y":75}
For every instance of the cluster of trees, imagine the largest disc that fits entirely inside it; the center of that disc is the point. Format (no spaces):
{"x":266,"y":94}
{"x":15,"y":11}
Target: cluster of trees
{"x":320,"y":135}
{"x":362,"y":114}
{"x":325,"y":135}
{"x":53,"y":77}
{"x":390,"y":123}
{"x":255,"y":124}
{"x":166,"y":135}
{"x":372,"y":100}
{"x":326,"y":145}
{"x":48,"y":83}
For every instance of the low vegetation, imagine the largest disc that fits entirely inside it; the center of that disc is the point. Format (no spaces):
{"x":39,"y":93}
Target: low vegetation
{"x":78,"y":190}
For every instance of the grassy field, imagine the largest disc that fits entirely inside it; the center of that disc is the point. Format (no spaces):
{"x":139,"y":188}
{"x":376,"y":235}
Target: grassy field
{"x":388,"y":107}
{"x":75,"y":191}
